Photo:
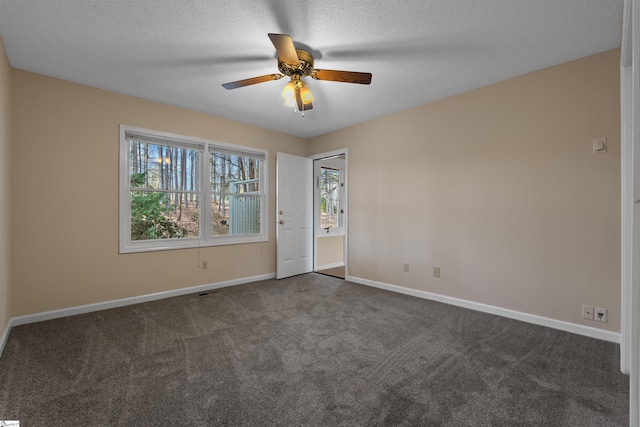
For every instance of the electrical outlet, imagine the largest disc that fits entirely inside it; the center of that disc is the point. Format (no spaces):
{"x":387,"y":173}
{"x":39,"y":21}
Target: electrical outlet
{"x":587,"y":312}
{"x":406,"y":268}
{"x":600,"y":315}
{"x":436,"y":271}
{"x":204,"y":265}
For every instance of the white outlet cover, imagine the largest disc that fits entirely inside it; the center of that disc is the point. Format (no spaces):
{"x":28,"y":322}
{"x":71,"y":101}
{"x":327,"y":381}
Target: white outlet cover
{"x":600,"y":315}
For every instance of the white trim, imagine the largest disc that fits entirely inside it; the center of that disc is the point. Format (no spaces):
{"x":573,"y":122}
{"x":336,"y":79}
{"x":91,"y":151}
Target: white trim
{"x":345,"y":251}
{"x":329,"y":154}
{"x":193,"y":140}
{"x":626,"y":208}
{"x":71,"y":311}
{"x":512,"y":314}
{"x":630,"y":133}
{"x":5,"y":336}
{"x":332,"y":265}
{"x":626,"y":43}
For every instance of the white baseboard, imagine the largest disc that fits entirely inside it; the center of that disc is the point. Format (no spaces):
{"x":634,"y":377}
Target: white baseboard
{"x":5,"y":336}
{"x":332,"y":265}
{"x":517,"y":315}
{"x":512,"y":314}
{"x":48,"y":315}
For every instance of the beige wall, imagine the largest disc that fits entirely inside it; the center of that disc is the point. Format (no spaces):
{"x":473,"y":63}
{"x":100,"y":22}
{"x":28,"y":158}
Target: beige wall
{"x":5,"y":136}
{"x":497,"y":186}
{"x":65,"y":197}
{"x":330,"y":250}
{"x":500,"y":189}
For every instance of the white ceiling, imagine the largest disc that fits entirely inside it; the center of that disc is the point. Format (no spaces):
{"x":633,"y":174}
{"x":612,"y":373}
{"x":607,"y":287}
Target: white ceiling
{"x":180,"y":52}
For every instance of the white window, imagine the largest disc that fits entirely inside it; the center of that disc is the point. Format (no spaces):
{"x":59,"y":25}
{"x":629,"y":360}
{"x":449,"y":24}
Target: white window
{"x":183,"y":192}
{"x":329,"y":174}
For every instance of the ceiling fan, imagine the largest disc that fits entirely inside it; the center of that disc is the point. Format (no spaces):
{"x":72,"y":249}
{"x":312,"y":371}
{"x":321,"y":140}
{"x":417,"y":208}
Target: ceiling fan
{"x":297,"y":64}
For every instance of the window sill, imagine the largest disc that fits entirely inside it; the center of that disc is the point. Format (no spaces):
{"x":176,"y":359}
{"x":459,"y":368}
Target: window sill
{"x":155,"y":246}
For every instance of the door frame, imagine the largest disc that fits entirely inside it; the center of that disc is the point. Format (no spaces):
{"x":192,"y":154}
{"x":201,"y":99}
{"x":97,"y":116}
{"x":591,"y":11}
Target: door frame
{"x":626,"y":171}
{"x":630,"y":192}
{"x":345,"y":249}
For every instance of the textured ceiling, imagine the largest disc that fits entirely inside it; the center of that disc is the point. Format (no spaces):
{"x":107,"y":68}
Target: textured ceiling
{"x":180,"y":52}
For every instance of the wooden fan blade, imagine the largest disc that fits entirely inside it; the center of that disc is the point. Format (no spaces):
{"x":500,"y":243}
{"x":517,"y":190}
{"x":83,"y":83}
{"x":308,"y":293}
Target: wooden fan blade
{"x":342,"y":76}
{"x":286,"y":50}
{"x":308,"y":106}
{"x":251,"y":81}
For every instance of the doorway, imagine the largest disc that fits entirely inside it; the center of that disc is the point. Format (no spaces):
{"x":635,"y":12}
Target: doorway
{"x":330,"y":213}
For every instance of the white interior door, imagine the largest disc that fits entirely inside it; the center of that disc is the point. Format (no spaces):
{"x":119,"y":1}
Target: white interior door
{"x":294,"y":213}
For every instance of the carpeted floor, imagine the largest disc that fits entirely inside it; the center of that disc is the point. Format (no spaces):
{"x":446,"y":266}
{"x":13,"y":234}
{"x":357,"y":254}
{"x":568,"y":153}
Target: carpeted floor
{"x":306,"y":351}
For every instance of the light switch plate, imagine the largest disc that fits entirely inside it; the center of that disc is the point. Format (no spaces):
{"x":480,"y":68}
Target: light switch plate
{"x":600,"y":145}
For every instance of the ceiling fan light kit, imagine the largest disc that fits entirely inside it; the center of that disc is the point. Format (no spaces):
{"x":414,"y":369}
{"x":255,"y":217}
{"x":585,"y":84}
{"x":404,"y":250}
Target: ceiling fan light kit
{"x":294,"y":89}
{"x":297,"y":64}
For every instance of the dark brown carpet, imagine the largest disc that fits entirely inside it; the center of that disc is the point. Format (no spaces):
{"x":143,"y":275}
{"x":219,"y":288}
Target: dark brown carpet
{"x":306,"y":351}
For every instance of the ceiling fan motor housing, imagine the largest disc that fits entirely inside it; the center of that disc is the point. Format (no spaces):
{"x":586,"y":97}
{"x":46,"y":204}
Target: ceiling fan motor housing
{"x":303,"y":69}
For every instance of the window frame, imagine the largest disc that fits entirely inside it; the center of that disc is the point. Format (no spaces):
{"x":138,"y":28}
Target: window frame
{"x":204,"y":147}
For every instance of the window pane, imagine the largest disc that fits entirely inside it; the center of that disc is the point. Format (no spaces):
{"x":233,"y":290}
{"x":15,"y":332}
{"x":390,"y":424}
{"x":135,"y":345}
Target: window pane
{"x":163,"y":167}
{"x":235,"y":196}
{"x":235,"y":214}
{"x":329,"y":197}
{"x":234,"y":174}
{"x":162,"y":215}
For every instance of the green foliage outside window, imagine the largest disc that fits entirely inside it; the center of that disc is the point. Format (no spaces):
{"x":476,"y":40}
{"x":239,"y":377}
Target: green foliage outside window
{"x":150,"y":214}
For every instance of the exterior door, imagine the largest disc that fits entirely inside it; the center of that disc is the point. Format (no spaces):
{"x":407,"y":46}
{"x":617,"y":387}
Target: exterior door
{"x":329,"y":213}
{"x":294,"y":213}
